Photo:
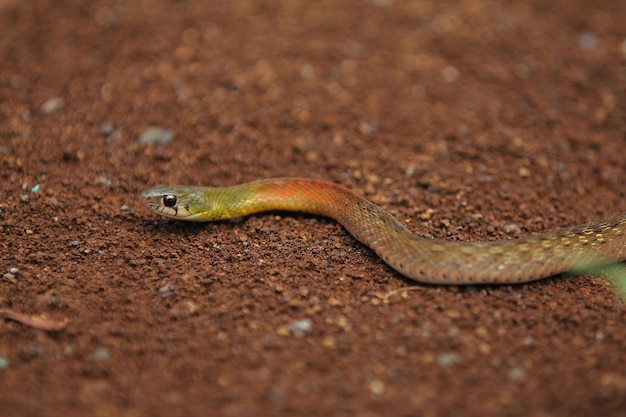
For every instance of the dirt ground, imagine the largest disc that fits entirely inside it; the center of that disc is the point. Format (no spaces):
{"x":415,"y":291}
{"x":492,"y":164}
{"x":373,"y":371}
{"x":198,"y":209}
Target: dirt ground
{"x":468,"y":120}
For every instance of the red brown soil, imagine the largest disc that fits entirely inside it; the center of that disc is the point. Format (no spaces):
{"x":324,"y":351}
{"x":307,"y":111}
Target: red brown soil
{"x":459,"y":117}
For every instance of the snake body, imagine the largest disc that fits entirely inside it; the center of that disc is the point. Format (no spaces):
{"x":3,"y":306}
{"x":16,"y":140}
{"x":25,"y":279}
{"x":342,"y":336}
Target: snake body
{"x":425,"y":260}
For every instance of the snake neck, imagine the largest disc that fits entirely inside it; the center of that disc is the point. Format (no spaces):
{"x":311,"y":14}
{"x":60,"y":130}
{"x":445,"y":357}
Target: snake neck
{"x":296,"y":195}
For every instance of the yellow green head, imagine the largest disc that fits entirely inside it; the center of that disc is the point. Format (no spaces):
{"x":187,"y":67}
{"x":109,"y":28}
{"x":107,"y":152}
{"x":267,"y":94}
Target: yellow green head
{"x":179,"y":202}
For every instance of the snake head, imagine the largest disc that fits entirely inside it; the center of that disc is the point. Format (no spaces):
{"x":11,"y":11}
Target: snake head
{"x":176,"y":202}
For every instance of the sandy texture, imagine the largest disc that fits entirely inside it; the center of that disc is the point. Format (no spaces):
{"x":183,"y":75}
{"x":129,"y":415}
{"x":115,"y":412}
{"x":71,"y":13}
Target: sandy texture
{"x":468,"y":120}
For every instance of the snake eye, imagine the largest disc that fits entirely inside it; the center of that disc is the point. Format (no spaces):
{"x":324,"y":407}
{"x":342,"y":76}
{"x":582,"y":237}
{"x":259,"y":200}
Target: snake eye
{"x":169,"y":200}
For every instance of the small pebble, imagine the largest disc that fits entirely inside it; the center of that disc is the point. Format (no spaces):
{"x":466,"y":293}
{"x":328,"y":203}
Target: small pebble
{"x":100,"y":354}
{"x":301,"y":327}
{"x":51,"y":105}
{"x":307,"y":72}
{"x":448,"y":359}
{"x":156,"y":135}
{"x":8,"y":276}
{"x":523,"y":172}
{"x":165,"y":291}
{"x":276,"y":397}
{"x":452,"y":333}
{"x":450,"y":74}
{"x":4,"y":363}
{"x":588,"y":41}
{"x":53,"y":300}
{"x":512,"y":229}
{"x":35,"y":188}
{"x":516,"y":373}
{"x":381,"y":3}
{"x":24,"y":198}
{"x":107,"y":129}
{"x":369,"y":129}
{"x":106,"y":181}
{"x":495,"y":362}
{"x":377,"y":387}
{"x":35,"y":351}
{"x":14,"y":270}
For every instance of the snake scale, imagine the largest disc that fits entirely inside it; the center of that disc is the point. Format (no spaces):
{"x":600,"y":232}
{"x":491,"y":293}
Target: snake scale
{"x":425,"y":260}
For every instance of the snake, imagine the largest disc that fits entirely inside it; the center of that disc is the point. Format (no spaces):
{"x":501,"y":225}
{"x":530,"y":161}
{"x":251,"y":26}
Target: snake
{"x":432,"y":261}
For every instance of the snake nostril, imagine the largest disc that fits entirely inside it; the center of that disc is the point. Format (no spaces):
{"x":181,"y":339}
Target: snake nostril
{"x":169,"y":200}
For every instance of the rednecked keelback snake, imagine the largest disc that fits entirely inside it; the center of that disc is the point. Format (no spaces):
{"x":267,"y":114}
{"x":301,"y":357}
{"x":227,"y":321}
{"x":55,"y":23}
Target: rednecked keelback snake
{"x":425,"y":260}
